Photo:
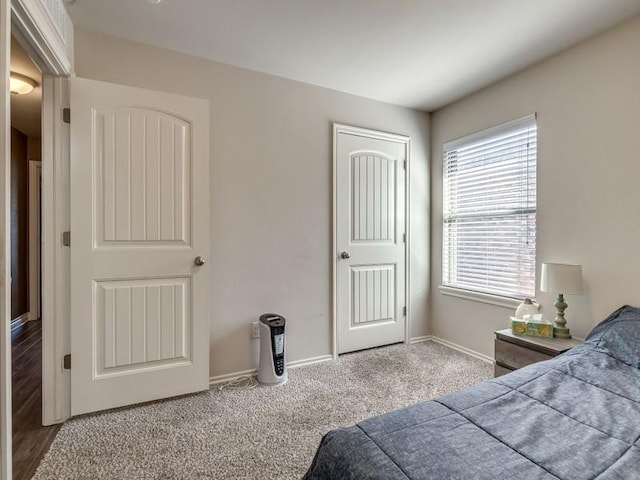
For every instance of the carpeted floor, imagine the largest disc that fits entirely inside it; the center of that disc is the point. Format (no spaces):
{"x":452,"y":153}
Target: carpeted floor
{"x":260,"y":433}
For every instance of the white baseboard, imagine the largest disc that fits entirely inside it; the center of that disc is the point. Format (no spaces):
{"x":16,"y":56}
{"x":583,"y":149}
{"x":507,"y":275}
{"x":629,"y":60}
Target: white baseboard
{"x":230,"y":376}
{"x":309,"y":361}
{"x":422,"y":339}
{"x":218,"y":379}
{"x":21,"y":320}
{"x":294,"y":364}
{"x":462,"y":349}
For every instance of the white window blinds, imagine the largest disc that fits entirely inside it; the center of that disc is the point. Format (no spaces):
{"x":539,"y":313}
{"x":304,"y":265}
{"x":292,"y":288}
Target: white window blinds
{"x":489,"y":210}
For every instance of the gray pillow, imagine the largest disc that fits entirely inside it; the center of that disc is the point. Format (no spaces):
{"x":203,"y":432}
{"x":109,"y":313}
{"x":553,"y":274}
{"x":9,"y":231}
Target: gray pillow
{"x":620,"y":335}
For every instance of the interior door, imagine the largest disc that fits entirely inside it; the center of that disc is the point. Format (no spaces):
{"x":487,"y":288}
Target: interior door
{"x":139,"y":223}
{"x":370,"y":238}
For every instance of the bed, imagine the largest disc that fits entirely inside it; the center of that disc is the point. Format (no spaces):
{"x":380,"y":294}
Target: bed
{"x":574,"y":417}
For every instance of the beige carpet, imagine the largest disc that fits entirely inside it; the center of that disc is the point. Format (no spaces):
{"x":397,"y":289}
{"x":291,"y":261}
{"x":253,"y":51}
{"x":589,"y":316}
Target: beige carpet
{"x":261,"y":433}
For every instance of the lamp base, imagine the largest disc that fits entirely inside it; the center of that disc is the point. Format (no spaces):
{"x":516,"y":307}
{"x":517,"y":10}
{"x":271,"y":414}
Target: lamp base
{"x":561,"y":332}
{"x":560,"y":329}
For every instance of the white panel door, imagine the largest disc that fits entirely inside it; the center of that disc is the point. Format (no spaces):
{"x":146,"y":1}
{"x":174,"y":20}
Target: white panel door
{"x":370,"y":246}
{"x":139,"y":218}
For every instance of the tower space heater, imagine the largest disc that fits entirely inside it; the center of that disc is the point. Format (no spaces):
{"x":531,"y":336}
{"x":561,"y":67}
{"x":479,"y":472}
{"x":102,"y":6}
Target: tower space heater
{"x":273,"y":361}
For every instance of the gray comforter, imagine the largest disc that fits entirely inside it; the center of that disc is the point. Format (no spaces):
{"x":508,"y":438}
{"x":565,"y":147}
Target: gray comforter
{"x":574,"y":417}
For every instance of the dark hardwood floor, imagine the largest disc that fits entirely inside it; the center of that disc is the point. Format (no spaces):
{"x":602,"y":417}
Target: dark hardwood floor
{"x":30,"y":439}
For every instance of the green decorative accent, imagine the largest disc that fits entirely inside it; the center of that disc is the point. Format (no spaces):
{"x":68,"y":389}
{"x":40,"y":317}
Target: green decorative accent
{"x":560,"y":329}
{"x":533,"y":329}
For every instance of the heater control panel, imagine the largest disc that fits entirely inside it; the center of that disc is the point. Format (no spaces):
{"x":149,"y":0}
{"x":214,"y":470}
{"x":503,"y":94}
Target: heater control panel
{"x":278,"y":344}
{"x":279,"y":366}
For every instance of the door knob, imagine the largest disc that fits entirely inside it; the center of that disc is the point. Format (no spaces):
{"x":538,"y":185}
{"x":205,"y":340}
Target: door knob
{"x":199,"y":261}
{"x":345,"y":255}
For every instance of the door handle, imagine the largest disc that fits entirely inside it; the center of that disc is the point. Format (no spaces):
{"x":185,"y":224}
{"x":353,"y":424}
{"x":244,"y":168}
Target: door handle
{"x":199,"y":261}
{"x":345,"y":255}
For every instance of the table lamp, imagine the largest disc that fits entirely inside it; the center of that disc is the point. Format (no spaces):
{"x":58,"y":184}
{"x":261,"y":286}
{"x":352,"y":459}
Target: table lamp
{"x":563,"y":280}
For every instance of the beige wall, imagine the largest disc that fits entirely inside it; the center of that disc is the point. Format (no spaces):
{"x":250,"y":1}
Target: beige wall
{"x":588,"y":104}
{"x":19,"y":225}
{"x":34,"y":148}
{"x":271,"y":180}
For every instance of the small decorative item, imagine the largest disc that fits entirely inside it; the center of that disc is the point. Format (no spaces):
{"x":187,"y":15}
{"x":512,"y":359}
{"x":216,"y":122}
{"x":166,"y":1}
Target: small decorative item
{"x":532,"y":325}
{"x":527,"y":307}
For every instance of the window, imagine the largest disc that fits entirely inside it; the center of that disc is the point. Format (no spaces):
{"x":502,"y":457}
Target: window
{"x":489,"y":210}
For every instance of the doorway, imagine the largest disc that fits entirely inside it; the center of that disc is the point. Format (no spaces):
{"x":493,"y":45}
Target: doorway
{"x":371,"y":238}
{"x":44,"y":30}
{"x":30,"y":439}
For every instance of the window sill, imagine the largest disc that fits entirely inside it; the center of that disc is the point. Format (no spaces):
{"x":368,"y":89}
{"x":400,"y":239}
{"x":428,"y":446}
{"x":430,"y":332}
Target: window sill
{"x":497,"y":300}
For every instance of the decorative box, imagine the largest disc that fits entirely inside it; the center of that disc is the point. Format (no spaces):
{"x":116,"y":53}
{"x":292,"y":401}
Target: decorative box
{"x":531,"y":328}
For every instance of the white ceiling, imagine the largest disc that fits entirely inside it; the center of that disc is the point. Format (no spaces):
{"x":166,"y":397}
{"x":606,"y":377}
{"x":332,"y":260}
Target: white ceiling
{"x":418,"y":53}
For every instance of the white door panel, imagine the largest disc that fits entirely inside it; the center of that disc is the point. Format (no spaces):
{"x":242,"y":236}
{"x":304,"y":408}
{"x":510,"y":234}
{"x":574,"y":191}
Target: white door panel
{"x":370,"y":228}
{"x":142,"y":201}
{"x":139,"y":217}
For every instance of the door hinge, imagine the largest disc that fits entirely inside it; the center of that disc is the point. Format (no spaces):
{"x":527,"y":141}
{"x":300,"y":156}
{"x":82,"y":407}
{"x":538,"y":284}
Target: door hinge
{"x":66,"y":239}
{"x":404,"y":311}
{"x":404,"y":164}
{"x":66,"y":361}
{"x":66,"y":115}
{"x":404,"y":238}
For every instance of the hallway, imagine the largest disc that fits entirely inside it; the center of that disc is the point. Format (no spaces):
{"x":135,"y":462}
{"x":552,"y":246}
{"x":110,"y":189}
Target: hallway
{"x":30,"y":439}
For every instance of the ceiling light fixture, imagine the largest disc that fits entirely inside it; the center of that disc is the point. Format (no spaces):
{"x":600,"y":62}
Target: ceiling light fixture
{"x":21,"y":84}
{"x":153,"y":2}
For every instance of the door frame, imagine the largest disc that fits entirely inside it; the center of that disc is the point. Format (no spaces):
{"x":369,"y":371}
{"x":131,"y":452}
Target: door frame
{"x":35,"y":214}
{"x":55,"y":256}
{"x":339,"y":128}
{"x":32,"y":25}
{"x":5,"y":243}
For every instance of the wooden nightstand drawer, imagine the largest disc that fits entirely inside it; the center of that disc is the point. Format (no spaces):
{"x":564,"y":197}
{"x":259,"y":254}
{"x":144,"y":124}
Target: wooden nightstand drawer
{"x":515,"y":351}
{"x":499,"y":370}
{"x":515,"y":356}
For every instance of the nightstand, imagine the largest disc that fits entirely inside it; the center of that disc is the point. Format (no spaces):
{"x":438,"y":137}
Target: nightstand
{"x":516,"y":351}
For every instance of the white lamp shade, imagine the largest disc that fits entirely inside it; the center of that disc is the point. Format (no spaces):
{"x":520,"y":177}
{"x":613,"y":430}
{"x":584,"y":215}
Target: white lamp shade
{"x":561,"y":278}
